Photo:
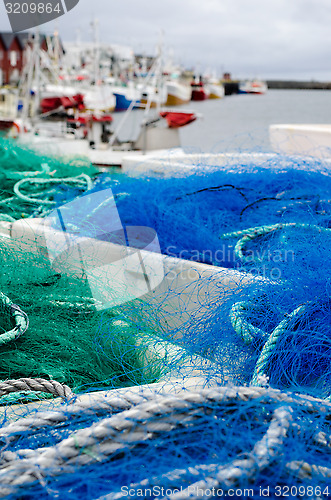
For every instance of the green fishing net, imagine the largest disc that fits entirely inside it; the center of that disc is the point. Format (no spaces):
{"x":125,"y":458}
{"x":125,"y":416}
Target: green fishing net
{"x":68,"y":339}
{"x":46,"y":176}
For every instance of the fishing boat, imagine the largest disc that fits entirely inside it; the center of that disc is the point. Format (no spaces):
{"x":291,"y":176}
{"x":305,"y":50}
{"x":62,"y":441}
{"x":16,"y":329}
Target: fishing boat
{"x":177,"y":93}
{"x":199,"y":91}
{"x":90,"y":135}
{"x":153,"y":96}
{"x":182,"y":164}
{"x":252,"y":87}
{"x":8,"y":103}
{"x":216,"y":90}
{"x":127,"y":94}
{"x":125,"y":99}
{"x":301,"y":139}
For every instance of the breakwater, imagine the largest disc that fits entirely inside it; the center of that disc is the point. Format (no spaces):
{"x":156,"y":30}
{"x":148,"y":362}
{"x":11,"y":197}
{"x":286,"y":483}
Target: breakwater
{"x":232,"y":87}
{"x":298,"y":85}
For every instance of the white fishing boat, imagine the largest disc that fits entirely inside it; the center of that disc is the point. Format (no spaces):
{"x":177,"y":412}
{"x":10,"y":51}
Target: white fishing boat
{"x":90,"y":136}
{"x":182,"y":164}
{"x":8,"y":111}
{"x":301,"y":139}
{"x":96,"y":98}
{"x":216,"y":90}
{"x":99,"y":98}
{"x":153,"y":96}
{"x":177,"y":93}
{"x":252,"y":87}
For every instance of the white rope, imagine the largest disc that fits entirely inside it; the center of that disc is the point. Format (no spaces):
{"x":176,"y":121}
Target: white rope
{"x":245,"y":469}
{"x":19,"y":317}
{"x":80,"y":179}
{"x":36,"y":385}
{"x":157,"y":413}
{"x":119,"y":400}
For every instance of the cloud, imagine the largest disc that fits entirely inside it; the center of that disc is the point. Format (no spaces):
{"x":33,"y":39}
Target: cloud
{"x":263,"y":37}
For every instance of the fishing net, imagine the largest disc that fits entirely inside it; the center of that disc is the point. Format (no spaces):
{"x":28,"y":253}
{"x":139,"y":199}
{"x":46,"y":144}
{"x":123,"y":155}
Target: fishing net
{"x":196,"y":215}
{"x":51,"y":180}
{"x":239,"y":442}
{"x":67,"y":340}
{"x":219,"y":374}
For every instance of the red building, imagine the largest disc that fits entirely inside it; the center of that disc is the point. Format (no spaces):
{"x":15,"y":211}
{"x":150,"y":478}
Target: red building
{"x":13,"y":53}
{"x":12,"y":46}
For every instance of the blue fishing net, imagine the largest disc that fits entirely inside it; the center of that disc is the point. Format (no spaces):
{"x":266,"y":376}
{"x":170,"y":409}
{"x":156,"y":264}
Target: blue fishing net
{"x":239,"y":351}
{"x":197,"y":217}
{"x":235,"y":442}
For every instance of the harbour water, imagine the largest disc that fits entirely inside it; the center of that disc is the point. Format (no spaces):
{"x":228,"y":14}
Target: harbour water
{"x":240,"y":122}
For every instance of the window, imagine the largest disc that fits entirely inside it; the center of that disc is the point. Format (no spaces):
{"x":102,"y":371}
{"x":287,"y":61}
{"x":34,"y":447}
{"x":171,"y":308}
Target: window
{"x":13,"y":58}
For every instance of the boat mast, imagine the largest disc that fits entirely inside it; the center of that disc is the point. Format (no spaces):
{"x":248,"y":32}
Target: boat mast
{"x":95,"y":27}
{"x":37,"y":72}
{"x":31,"y":71}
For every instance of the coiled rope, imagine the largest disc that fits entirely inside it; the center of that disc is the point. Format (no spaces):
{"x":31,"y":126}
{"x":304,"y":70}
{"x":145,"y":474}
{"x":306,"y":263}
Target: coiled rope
{"x":248,"y":235}
{"x":19,"y":317}
{"x":151,"y":415}
{"x":239,"y":311}
{"x":45,"y":199}
{"x":252,"y":334}
{"x":80,"y":181}
{"x":36,"y":385}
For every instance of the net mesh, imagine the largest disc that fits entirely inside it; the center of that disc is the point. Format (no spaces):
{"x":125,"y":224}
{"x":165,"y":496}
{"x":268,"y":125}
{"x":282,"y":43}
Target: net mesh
{"x":220,"y":375}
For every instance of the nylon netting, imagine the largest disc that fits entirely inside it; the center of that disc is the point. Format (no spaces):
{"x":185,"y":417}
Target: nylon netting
{"x":213,"y":381}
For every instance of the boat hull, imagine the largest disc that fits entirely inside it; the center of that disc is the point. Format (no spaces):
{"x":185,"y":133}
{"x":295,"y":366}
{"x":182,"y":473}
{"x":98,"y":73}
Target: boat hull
{"x":153,"y":97}
{"x":199,"y":95}
{"x":6,"y":125}
{"x":174,"y":100}
{"x":184,"y":164}
{"x":122,"y":103}
{"x":215,"y":91}
{"x":212,"y":95}
{"x":177,"y":94}
{"x":104,"y":157}
{"x":252,"y":87}
{"x":143,"y":103}
{"x":301,"y":139}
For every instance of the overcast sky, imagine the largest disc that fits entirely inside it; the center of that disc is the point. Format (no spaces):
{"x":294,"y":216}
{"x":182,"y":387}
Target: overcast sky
{"x":249,"y":38}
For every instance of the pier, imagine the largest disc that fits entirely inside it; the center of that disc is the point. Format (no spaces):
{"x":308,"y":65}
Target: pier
{"x":298,"y":85}
{"x":232,"y":86}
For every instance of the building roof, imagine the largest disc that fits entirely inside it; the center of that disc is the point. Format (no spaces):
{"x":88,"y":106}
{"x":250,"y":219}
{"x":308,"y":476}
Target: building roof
{"x":22,"y":38}
{"x":7,"y":39}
